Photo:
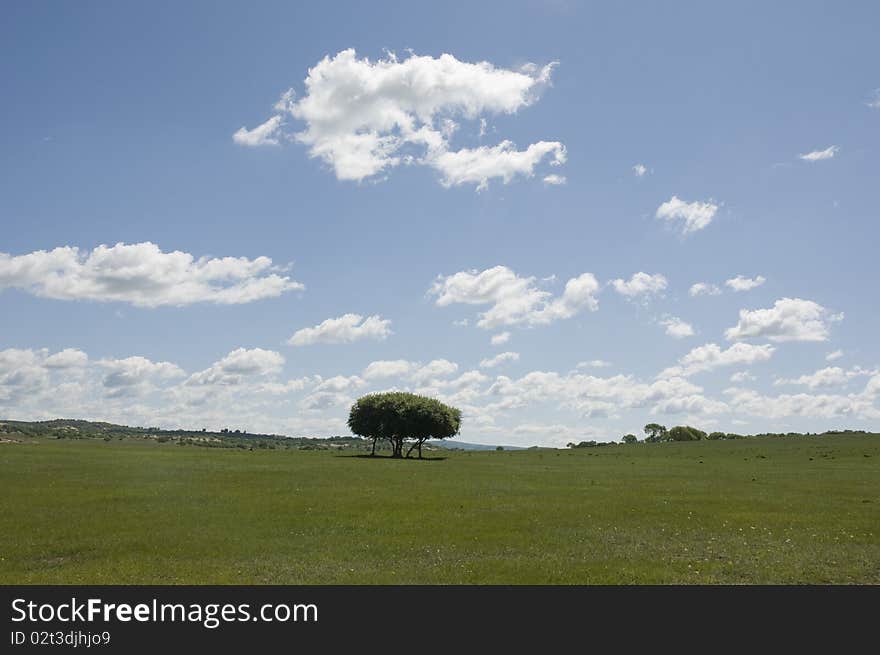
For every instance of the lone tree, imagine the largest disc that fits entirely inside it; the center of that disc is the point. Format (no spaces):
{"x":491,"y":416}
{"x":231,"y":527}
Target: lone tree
{"x":630,"y":438}
{"x":686,"y":433}
{"x":397,"y":417}
{"x":655,"y":432}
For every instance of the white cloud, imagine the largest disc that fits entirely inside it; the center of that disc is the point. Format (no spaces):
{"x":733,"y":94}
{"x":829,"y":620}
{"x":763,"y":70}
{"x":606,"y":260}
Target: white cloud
{"x":704,"y":289}
{"x":740,"y":283}
{"x":143,"y":275}
{"x":499,"y":359}
{"x":819,"y":155}
{"x":555,"y":180}
{"x":345,"y":329}
{"x":134,"y":374}
{"x":480,"y":165}
{"x":742,"y":376}
{"x":693,"y":216}
{"x":828,"y":406}
{"x":238,"y":365}
{"x":675,"y":327}
{"x":710,"y":356}
{"x":874,"y":100}
{"x":594,"y":363}
{"x":513,"y":299}
{"x":836,"y":354}
{"x":500,"y":338}
{"x":363,"y":117}
{"x":640,"y":284}
{"x":67,"y":358}
{"x":387,"y":369}
{"x":437,"y":368}
{"x":262,"y":135}
{"x":827,"y":377}
{"x":790,"y":319}
{"x":640,"y":170}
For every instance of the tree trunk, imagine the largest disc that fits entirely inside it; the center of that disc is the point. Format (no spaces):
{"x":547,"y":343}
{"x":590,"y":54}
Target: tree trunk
{"x":373,"y":453}
{"x":420,"y":450}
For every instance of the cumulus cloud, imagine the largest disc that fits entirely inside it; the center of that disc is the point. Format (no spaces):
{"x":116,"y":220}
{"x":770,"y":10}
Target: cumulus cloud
{"x":790,"y":319}
{"x":689,"y":216}
{"x":640,"y":285}
{"x":740,"y":283}
{"x":675,"y":327}
{"x":132,"y":375}
{"x":742,"y":376}
{"x":437,"y":368}
{"x":710,"y":356}
{"x":143,"y":275}
{"x":640,"y":170}
{"x":499,"y":359}
{"x":363,"y":117}
{"x":500,"y":338}
{"x":345,"y":329}
{"x":828,"y":406}
{"x":704,"y":289}
{"x":819,"y":155}
{"x":833,"y":355}
{"x":514,"y":299}
{"x":262,"y":135}
{"x":238,"y":365}
{"x":67,"y":358}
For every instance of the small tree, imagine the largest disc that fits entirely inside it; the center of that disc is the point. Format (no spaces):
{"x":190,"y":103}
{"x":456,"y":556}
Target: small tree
{"x":655,"y":432}
{"x":630,"y":438}
{"x":397,"y":417}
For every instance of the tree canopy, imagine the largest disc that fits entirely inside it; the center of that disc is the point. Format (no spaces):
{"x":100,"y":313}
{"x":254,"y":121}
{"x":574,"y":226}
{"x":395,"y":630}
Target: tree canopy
{"x":398,"y":417}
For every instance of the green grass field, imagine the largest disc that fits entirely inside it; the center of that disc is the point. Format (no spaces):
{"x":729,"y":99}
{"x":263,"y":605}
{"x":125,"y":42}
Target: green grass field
{"x":772,"y":510}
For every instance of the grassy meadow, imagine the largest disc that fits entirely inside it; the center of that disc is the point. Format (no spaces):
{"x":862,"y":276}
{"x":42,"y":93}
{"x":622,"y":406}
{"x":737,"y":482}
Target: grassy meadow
{"x":764,"y":510}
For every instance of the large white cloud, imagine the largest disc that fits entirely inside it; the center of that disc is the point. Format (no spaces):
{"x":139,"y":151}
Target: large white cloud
{"x":790,"y":319}
{"x":365,"y":117}
{"x":689,"y":216}
{"x":345,"y":329}
{"x":143,"y":275}
{"x":514,"y":299}
{"x":711,"y":356}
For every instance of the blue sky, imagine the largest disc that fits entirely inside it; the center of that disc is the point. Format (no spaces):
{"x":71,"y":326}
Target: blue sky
{"x":119,"y":123}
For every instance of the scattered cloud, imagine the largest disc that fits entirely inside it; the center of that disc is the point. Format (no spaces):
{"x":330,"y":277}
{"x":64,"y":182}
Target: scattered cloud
{"x":555,"y":180}
{"x":833,"y":355}
{"x":675,"y":327}
{"x":345,"y":329}
{"x":141,"y":274}
{"x":262,"y":135}
{"x":640,"y":170}
{"x":704,"y":289}
{"x":740,"y":283}
{"x":594,"y":363}
{"x":742,"y":376}
{"x":819,"y":155}
{"x":387,"y":369}
{"x":830,"y":376}
{"x":640,"y":285}
{"x":689,"y":216}
{"x":514,"y":299}
{"x":790,"y":319}
{"x":500,"y":338}
{"x":710,"y":356}
{"x":499,"y":359}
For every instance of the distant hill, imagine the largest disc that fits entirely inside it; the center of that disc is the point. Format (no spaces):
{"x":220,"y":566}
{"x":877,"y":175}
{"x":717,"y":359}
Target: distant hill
{"x":461,"y":445}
